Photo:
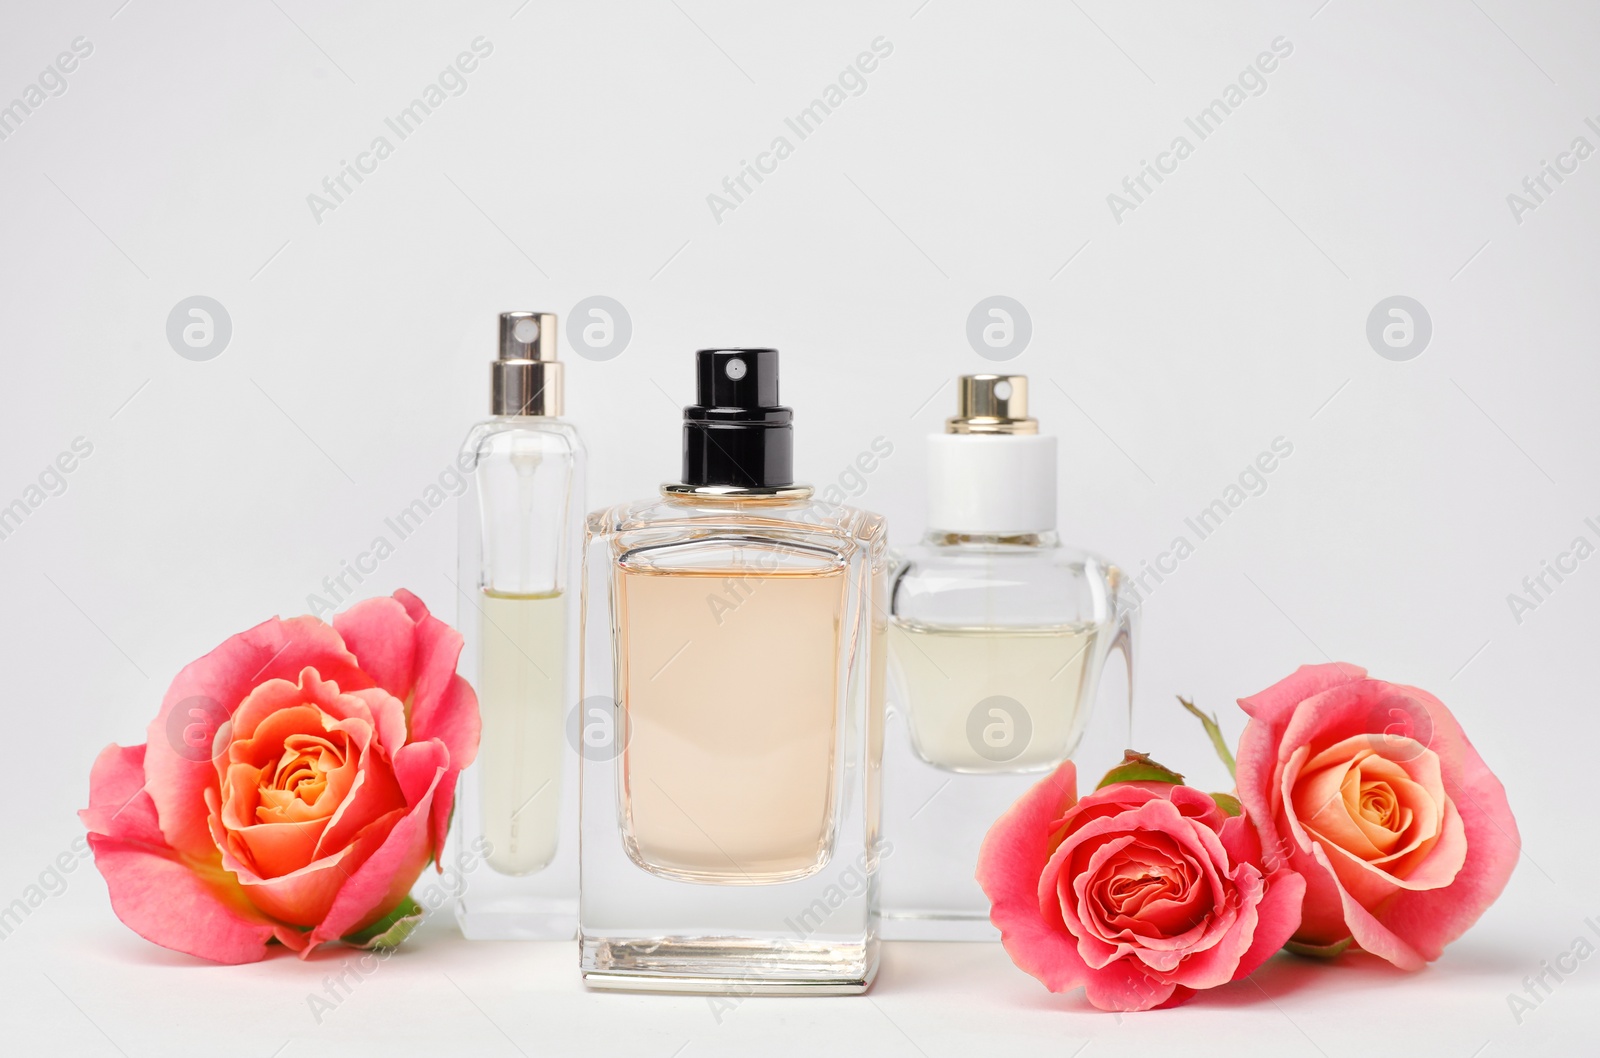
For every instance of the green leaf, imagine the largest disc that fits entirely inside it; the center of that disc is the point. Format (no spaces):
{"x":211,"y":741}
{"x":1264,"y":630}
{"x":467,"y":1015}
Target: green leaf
{"x":1318,"y":951}
{"x":1228,"y":803}
{"x":391,"y":929}
{"x":1138,"y":767}
{"x":1209,"y":722}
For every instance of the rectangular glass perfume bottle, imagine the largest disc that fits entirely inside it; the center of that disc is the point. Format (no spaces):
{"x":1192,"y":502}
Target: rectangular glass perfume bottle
{"x":515,"y":828}
{"x":734,"y":660}
{"x":997,"y":638}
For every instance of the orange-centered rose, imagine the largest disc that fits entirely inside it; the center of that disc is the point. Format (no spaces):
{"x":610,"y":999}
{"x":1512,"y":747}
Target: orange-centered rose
{"x":297,"y":780}
{"x":1372,"y":791}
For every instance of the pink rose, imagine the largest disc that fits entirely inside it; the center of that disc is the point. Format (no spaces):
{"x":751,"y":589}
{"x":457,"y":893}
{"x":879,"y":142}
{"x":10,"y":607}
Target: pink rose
{"x":1145,"y":892}
{"x":295,"y":783}
{"x":1373,"y":793}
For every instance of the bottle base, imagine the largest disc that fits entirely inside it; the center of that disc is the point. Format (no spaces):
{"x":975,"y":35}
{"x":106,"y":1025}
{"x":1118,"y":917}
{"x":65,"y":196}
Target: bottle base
{"x":518,"y":925}
{"x":936,"y":926}
{"x":729,"y":966}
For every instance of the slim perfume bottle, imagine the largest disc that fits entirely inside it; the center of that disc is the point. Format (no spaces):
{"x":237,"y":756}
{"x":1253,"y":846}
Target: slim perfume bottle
{"x":520,"y":558}
{"x":997,"y":638}
{"x":734,"y":662}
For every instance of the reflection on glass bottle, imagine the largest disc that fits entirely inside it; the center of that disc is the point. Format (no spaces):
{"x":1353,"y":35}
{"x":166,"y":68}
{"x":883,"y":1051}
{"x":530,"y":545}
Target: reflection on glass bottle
{"x":998,"y":635}
{"x":731,"y":623}
{"x":520,"y":517}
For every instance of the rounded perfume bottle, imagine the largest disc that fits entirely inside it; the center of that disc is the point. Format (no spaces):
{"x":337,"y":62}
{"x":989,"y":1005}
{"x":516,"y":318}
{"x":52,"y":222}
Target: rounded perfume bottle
{"x":997,"y":643}
{"x":998,"y":637}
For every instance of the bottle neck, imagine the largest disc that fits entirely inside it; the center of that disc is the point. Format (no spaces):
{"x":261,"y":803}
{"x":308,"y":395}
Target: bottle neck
{"x":945,"y":538}
{"x":733,"y":496}
{"x":525,"y":388}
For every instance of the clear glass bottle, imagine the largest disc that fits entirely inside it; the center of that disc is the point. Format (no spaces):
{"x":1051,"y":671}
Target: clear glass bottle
{"x":734,"y":664}
{"x":515,"y":827}
{"x":997,"y":638}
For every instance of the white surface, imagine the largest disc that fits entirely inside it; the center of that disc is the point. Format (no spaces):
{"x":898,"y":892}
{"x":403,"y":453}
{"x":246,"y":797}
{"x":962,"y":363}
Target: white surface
{"x":75,"y":982}
{"x":1168,"y":351}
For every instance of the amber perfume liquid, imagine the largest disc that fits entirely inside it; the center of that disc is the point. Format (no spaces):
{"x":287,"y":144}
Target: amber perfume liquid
{"x":748,"y":694}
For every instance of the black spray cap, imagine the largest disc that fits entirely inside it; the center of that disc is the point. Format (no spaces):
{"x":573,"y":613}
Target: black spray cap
{"x":736,"y":433}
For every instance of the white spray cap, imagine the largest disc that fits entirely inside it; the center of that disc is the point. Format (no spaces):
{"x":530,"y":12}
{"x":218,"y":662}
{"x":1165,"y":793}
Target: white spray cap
{"x":991,"y":473}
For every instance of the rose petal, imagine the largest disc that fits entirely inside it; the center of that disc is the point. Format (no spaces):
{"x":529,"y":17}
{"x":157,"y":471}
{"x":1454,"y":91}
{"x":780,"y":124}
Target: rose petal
{"x":1160,"y":949}
{"x":1368,"y":933}
{"x":1322,"y":915}
{"x":1278,"y":913}
{"x":274,"y":850}
{"x":388,"y":717}
{"x":1326,"y":794}
{"x":1402,"y":913}
{"x":1010,"y":863}
{"x":1431,"y":919}
{"x":274,"y":649}
{"x":154,"y":891}
{"x":383,"y":637}
{"x":440,"y":703}
{"x":374,"y":794}
{"x":387,"y":875}
{"x":116,"y":777}
{"x":1272,"y":705}
{"x":303,"y":896}
{"x":1125,"y":986}
{"x":1066,"y":892}
{"x":163,"y":899}
{"x":1217,"y":961}
{"x":1157,"y":818}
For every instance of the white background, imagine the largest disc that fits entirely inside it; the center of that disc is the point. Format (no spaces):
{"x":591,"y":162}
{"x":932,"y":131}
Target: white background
{"x":1168,"y":350}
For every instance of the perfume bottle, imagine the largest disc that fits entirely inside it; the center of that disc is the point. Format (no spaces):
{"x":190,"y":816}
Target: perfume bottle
{"x":998,"y":635}
{"x":734,"y":663}
{"x":521,"y":513}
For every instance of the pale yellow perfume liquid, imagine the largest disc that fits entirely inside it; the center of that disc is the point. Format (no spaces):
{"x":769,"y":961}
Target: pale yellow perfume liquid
{"x":523,"y":646}
{"x":731,"y":697}
{"x":992,"y":699}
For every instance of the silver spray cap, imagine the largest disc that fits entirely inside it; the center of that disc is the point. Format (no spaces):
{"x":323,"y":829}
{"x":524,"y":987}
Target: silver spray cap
{"x":527,"y":376}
